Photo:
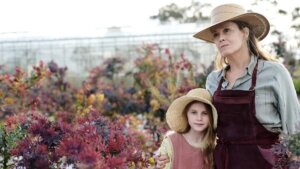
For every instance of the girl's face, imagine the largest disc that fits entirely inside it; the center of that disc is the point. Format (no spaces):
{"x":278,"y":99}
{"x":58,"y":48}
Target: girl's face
{"x":198,"y":117}
{"x":229,"y":38}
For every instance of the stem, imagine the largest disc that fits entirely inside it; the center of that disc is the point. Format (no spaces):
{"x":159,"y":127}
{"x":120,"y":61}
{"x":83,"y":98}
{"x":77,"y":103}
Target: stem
{"x":5,"y":153}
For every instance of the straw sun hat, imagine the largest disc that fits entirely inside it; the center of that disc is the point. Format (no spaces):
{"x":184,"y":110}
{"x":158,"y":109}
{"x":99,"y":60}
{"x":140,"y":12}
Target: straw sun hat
{"x":175,"y":117}
{"x":233,"y":12}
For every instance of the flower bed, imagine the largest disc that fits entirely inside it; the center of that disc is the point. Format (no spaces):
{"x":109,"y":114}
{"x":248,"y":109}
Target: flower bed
{"x":114,"y":120}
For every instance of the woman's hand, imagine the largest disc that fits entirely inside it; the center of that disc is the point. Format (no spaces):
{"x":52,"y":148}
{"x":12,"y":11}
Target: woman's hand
{"x":161,"y":161}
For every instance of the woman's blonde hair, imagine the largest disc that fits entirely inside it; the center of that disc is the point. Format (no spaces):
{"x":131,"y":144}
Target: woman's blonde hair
{"x":253,"y":46}
{"x":209,"y":138}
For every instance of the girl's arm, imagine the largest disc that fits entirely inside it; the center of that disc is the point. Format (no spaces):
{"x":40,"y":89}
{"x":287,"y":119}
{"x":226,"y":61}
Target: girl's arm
{"x":164,"y":156}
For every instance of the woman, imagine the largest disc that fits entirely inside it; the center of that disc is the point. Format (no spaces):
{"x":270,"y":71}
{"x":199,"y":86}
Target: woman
{"x":253,"y":94}
{"x":193,"y":119}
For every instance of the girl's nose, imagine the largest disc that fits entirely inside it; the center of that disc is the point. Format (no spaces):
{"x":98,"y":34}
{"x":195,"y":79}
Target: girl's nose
{"x":199,"y":116}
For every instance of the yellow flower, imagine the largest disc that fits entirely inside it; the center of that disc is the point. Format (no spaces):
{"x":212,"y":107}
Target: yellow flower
{"x":79,"y":97}
{"x":151,"y":161}
{"x":91,"y":99}
{"x":100,"y":97}
{"x":1,"y":93}
{"x":154,"y":104}
{"x":9,"y":101}
{"x":83,"y":111}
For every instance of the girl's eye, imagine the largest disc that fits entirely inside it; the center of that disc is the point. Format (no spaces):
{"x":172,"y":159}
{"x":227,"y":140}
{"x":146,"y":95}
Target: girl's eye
{"x":205,"y":113}
{"x":193,"y":112}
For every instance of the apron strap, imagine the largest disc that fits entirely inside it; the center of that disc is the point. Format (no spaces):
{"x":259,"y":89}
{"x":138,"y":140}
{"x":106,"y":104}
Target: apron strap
{"x":254,"y":75}
{"x":220,"y":83}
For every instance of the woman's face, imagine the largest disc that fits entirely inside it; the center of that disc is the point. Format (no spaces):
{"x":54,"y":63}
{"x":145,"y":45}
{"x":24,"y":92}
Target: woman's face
{"x":198,"y":117}
{"x":229,"y":39}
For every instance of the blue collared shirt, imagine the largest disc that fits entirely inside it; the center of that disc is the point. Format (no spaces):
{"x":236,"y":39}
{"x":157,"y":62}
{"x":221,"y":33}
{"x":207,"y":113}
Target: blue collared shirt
{"x":276,"y":102}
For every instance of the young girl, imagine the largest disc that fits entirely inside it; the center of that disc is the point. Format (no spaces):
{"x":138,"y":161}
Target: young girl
{"x":193,"y":120}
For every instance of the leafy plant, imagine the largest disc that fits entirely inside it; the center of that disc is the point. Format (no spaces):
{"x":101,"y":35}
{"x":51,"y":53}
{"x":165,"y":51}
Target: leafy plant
{"x":288,"y":150}
{"x":8,"y":141}
{"x":297,"y":85}
{"x":114,"y":120}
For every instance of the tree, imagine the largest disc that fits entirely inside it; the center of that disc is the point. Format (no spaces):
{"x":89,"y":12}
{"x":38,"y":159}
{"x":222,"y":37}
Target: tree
{"x":281,"y":51}
{"x":190,"y":14}
{"x":293,"y":15}
{"x":296,"y":23}
{"x":283,"y":47}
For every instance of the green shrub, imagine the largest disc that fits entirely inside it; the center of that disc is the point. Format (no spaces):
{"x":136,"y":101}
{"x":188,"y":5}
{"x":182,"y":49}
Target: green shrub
{"x":297,"y":85}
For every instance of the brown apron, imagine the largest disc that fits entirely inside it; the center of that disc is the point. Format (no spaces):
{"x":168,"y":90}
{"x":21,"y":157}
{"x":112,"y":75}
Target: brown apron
{"x":243,"y":143}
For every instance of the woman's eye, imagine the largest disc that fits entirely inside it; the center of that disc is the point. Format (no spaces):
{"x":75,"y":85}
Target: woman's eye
{"x":226,"y":30}
{"x":215,"y":35}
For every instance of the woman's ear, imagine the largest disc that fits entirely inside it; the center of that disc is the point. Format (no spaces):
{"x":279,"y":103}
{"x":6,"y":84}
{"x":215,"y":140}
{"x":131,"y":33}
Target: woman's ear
{"x":246,"y":32}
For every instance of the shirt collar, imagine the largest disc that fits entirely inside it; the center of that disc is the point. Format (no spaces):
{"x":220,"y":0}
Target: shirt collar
{"x":249,"y":68}
{"x":251,"y":65}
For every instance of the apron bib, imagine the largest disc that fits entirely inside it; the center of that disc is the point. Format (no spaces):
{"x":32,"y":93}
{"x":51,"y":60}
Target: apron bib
{"x":243,"y":143}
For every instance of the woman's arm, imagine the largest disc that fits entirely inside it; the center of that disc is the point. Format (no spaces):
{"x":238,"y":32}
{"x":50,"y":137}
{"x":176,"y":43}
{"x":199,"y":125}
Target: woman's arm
{"x":288,"y":103}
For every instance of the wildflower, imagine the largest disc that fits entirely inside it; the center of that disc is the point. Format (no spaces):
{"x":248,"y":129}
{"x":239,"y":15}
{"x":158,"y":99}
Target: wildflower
{"x":53,"y":67}
{"x":154,"y":104}
{"x":99,"y":98}
{"x":91,"y":99}
{"x":9,"y":101}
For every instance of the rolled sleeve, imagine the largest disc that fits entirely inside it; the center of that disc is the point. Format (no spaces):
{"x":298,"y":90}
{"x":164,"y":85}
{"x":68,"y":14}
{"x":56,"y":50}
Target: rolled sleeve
{"x":288,"y":104}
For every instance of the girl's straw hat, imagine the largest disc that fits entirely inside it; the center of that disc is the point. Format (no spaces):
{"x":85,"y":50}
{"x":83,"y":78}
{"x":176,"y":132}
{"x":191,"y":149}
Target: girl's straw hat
{"x":177,"y":120}
{"x":233,"y":12}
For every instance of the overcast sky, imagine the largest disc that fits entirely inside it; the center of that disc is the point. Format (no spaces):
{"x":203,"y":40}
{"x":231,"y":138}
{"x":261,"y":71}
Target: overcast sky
{"x":87,"y":15}
{"x":74,"y":15}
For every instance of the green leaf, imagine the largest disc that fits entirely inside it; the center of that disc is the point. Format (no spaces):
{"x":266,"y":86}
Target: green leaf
{"x":13,"y":137}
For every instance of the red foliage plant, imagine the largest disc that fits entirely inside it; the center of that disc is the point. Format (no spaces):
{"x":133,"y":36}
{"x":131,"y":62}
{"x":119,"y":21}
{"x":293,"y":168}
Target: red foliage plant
{"x":93,"y":141}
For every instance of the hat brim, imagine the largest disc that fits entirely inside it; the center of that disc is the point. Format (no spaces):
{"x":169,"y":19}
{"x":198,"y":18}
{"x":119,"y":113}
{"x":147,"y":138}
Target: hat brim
{"x":259,"y":24}
{"x":175,"y":117}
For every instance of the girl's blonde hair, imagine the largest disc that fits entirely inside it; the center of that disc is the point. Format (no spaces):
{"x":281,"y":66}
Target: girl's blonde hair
{"x":253,"y":46}
{"x":209,"y":139}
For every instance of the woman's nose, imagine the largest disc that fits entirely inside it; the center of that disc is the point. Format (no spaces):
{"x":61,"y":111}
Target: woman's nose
{"x":221,"y":38}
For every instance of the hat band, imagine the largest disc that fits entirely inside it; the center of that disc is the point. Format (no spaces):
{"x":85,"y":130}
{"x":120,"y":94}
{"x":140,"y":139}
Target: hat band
{"x":220,"y":17}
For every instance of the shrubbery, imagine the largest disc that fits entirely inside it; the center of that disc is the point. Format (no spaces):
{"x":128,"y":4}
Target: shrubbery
{"x":297,"y":85}
{"x":114,"y":120}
